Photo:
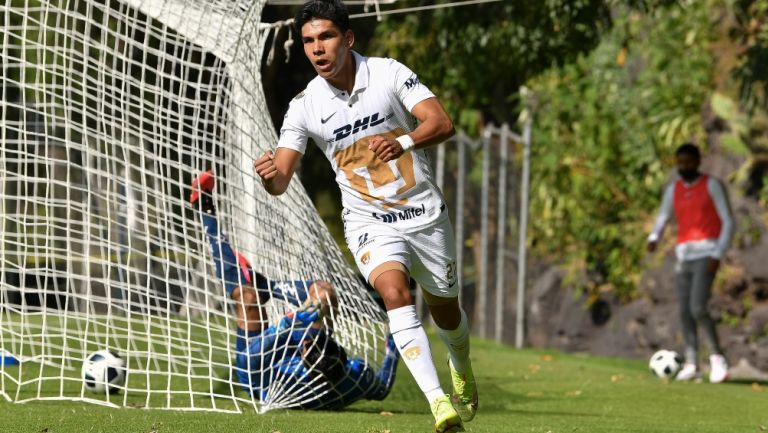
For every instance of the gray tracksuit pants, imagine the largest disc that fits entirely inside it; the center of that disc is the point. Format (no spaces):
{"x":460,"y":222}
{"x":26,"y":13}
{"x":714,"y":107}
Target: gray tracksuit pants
{"x":694,"y":288}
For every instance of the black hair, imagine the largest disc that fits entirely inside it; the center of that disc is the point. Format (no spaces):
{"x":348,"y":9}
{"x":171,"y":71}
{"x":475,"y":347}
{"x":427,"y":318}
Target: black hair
{"x":689,"y":149}
{"x":332,"y":10}
{"x":326,"y":357}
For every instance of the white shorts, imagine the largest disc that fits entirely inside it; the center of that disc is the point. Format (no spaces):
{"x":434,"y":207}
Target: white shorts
{"x":429,"y":253}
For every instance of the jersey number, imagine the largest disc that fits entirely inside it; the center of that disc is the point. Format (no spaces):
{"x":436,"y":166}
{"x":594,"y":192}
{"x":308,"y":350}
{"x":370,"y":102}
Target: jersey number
{"x":373,"y":178}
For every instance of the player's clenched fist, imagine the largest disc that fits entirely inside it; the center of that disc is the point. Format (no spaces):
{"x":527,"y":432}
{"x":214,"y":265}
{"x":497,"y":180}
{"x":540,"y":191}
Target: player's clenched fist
{"x":265,"y":166}
{"x":386,"y":149}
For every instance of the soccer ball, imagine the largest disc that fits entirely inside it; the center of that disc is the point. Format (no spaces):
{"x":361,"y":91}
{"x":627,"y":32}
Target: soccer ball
{"x":103,"y":371}
{"x":665,"y":363}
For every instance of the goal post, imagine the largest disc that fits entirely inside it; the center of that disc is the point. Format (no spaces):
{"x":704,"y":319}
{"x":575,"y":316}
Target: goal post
{"x":109,"y":109}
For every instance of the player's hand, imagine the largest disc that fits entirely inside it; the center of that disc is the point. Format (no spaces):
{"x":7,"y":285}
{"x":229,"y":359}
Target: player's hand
{"x":651,"y":246}
{"x":265,"y":166}
{"x":320,"y":288}
{"x":310,"y":311}
{"x":713,"y":265}
{"x":386,"y":149}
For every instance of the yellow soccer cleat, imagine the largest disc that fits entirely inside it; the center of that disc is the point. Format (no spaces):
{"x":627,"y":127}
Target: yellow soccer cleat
{"x":464,"y":393}
{"x":447,"y":420}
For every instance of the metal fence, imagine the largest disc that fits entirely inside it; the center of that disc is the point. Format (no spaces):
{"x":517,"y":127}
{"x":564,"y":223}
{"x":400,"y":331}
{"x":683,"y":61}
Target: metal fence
{"x":485,"y":181}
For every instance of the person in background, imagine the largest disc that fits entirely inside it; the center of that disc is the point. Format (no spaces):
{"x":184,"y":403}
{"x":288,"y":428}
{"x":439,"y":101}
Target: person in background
{"x":705,"y":224}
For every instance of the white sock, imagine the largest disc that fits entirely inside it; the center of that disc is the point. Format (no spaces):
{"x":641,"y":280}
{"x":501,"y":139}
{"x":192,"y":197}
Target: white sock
{"x":412,"y":343}
{"x":457,"y":341}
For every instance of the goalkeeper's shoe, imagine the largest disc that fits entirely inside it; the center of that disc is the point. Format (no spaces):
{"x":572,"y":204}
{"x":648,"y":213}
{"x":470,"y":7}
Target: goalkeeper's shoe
{"x":464,"y":392}
{"x":447,"y":420}
{"x":202,"y":187}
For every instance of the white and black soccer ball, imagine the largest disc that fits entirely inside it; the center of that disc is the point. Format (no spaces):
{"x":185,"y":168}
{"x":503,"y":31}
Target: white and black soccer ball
{"x":103,"y":372}
{"x":665,"y":363}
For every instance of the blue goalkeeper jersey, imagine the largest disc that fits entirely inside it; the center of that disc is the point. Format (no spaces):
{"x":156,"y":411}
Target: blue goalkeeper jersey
{"x":273,"y":356}
{"x":274,"y":359}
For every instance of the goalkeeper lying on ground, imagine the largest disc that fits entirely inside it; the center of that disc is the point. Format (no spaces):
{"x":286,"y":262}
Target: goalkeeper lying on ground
{"x":299,"y":348}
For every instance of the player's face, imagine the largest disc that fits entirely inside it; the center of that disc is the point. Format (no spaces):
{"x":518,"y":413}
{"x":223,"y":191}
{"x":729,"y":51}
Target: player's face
{"x":687,"y":166}
{"x":326,"y":47}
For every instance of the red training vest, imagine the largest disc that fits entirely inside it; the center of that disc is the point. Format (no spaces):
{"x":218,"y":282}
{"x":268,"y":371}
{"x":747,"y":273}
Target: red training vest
{"x":696,"y":215}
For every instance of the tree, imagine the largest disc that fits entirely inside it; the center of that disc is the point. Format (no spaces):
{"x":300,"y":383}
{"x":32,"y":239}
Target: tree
{"x":476,"y":57}
{"x":605,"y":135}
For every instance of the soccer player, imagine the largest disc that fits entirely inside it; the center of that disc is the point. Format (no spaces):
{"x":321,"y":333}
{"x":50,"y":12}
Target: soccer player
{"x":373,"y":118}
{"x":248,"y":288}
{"x":297,"y":349}
{"x":704,"y":230}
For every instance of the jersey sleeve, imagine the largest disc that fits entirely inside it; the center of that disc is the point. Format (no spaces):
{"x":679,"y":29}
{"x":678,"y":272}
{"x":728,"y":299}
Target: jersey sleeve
{"x":293,"y":133}
{"x":665,"y":212}
{"x":408,"y":88}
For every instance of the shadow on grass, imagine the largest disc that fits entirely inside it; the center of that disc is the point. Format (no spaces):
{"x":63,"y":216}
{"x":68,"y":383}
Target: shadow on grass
{"x":555,"y":413}
{"x":748,"y":382}
{"x":377,"y":411}
{"x":500,"y":403}
{"x":484,"y":409}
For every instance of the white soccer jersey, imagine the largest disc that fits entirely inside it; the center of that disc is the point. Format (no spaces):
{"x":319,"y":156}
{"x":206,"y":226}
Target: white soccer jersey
{"x":402,"y":192}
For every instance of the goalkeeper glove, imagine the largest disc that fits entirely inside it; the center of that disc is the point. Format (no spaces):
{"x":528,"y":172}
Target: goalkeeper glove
{"x":311,"y":311}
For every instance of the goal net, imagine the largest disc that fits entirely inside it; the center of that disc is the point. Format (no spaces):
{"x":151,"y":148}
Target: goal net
{"x":108,"y":110}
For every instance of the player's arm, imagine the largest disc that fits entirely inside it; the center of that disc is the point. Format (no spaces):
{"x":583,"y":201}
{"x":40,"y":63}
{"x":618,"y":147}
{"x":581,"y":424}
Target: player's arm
{"x":434,"y":124}
{"x":661,"y":220}
{"x":267,"y":339}
{"x":435,"y":127}
{"x":276,"y":169}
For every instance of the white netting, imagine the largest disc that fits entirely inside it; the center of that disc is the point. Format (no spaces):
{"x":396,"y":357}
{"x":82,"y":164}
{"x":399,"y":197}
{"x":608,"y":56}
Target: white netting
{"x":108,"y":110}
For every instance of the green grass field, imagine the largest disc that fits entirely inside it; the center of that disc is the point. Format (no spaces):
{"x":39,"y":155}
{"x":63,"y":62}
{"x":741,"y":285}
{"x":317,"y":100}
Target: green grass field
{"x":520,"y":391}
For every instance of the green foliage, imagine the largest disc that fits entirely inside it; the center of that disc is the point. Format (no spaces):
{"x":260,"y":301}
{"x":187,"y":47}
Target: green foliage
{"x":476,"y":57}
{"x":604,"y":136}
{"x":730,"y":320}
{"x":751,"y":71}
{"x":749,"y":130}
{"x":728,"y":110}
